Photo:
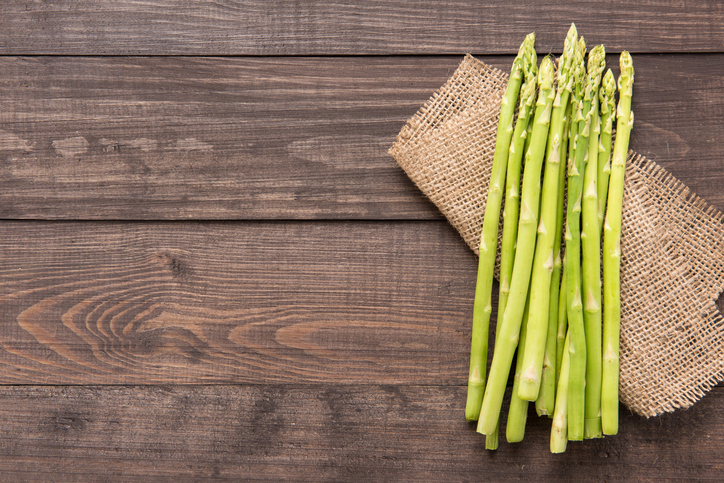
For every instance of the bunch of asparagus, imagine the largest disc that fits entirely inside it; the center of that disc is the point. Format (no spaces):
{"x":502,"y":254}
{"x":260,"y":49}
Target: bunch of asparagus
{"x":555,"y":312}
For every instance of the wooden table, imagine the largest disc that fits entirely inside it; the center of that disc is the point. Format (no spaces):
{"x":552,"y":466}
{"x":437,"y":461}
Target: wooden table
{"x":211,"y":269}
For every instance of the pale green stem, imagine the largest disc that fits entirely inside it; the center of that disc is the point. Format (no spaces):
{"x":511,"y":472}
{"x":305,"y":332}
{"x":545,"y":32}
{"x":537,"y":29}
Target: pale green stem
{"x":510,"y":211}
{"x":512,"y":193}
{"x":545,"y":403}
{"x":528,"y":221}
{"x":612,"y":250}
{"x":559,"y":427}
{"x":577,"y":349}
{"x":545,"y":249}
{"x":591,"y":281}
{"x":562,"y":319}
{"x":608,"y":115}
{"x":482,"y":305}
{"x":518,"y":409}
{"x":563,"y":294}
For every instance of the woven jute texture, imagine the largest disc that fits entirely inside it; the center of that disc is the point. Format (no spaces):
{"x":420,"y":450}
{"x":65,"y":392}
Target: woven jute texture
{"x":672,"y":242}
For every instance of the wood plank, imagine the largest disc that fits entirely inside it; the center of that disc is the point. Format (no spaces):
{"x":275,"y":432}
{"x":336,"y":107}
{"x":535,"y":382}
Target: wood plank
{"x":293,"y":138}
{"x":264,"y":27}
{"x":183,"y":303}
{"x":180,"y":138}
{"x":324,"y":433}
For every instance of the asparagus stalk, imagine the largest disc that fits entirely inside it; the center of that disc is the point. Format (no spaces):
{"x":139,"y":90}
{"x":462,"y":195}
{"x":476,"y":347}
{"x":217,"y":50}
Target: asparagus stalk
{"x":562,"y":318}
{"x":530,"y":379}
{"x":492,"y":440}
{"x":521,"y":137}
{"x":518,"y":409}
{"x":577,"y":344}
{"x":559,"y":428}
{"x":529,"y":131}
{"x":591,"y":254}
{"x":510,"y":211}
{"x":612,"y":249}
{"x":563,"y":294}
{"x":482,"y":306}
{"x":520,"y":280}
{"x":545,"y":404}
{"x":607,"y":98}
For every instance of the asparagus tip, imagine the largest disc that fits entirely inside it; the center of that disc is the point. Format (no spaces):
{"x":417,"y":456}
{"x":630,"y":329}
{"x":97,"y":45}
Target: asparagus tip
{"x":626,"y":77}
{"x":528,"y":57}
{"x":582,"y":45}
{"x":596,"y":65}
{"x":572,"y":31}
{"x":607,"y":93}
{"x":546,"y":73}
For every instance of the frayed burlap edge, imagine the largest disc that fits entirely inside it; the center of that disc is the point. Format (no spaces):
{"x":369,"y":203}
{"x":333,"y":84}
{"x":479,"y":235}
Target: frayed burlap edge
{"x":671,"y":329}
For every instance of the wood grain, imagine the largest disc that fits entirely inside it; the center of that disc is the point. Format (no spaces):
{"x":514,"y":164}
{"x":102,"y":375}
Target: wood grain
{"x":311,"y":321}
{"x":263,"y":27}
{"x":255,"y":302}
{"x":323,"y":432}
{"x":149,"y":138}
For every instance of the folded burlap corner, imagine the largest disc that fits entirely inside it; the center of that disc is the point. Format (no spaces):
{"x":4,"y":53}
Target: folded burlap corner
{"x":672,"y":243}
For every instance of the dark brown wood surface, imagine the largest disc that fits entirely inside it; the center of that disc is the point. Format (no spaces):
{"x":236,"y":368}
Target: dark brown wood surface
{"x":212,"y":270}
{"x":277,"y":138}
{"x":380,"y":27}
{"x":247,"y":302}
{"x":323,"y":432}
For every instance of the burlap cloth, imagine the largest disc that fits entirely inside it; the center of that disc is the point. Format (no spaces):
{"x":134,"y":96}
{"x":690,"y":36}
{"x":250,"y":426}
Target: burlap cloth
{"x":672,"y":243}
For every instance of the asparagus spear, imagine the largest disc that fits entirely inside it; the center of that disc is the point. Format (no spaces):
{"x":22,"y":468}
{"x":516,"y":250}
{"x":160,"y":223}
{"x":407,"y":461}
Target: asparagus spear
{"x":530,"y":194}
{"x":520,"y":140}
{"x":562,"y":318}
{"x":482,"y":306}
{"x":518,"y":409}
{"x":591,"y":254}
{"x":530,"y":378}
{"x":612,"y":249}
{"x":512,"y":190}
{"x":563,"y":294}
{"x":577,"y":344}
{"x":607,"y":97}
{"x":559,"y":428}
{"x":545,"y":404}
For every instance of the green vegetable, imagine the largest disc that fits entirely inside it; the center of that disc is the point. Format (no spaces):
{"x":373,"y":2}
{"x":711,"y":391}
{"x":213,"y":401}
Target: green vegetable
{"x":612,"y":250}
{"x":559,"y":427}
{"x":510,"y":212}
{"x":518,"y":409}
{"x":577,"y":344}
{"x":545,"y":404}
{"x":512,"y":190}
{"x":591,"y":254}
{"x":482,"y":306}
{"x":520,"y":280}
{"x":607,"y":98}
{"x":562,"y":293}
{"x":544,"y":259}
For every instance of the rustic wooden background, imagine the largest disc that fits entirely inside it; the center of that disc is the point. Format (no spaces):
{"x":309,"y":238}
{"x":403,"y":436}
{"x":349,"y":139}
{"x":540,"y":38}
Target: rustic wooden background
{"x":211,"y":269}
